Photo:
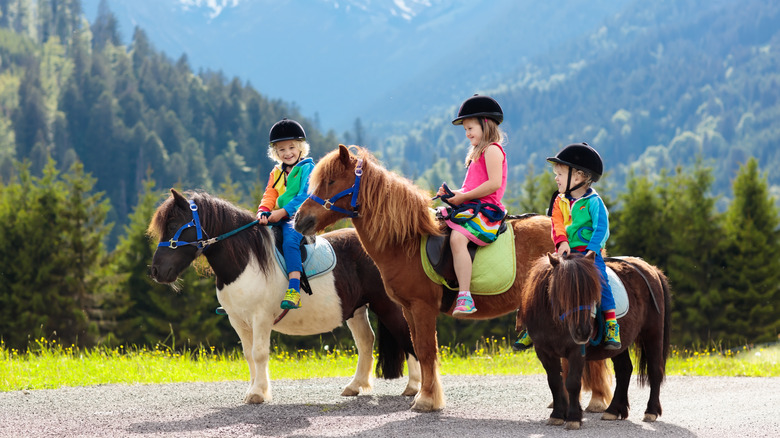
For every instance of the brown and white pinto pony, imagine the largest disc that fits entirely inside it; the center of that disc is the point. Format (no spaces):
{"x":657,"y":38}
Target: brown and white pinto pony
{"x":250,"y":286}
{"x":393,"y":216}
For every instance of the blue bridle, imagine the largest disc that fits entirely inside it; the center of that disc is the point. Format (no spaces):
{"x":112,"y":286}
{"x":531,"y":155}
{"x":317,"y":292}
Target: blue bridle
{"x":201,"y":244}
{"x":329,"y":204}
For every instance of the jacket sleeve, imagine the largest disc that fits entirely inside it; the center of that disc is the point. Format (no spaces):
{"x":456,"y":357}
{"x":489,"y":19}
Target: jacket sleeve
{"x":600,"y":217}
{"x":303,"y":193}
{"x":269,"y":196}
{"x":558,"y":228}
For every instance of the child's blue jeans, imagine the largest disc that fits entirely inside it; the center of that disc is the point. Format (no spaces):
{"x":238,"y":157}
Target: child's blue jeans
{"x":607,"y":301}
{"x":291,"y":247}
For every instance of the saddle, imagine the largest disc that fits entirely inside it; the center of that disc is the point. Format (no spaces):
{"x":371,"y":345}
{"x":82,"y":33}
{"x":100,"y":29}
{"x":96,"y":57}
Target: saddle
{"x":494,"y":265}
{"x":317,"y":255}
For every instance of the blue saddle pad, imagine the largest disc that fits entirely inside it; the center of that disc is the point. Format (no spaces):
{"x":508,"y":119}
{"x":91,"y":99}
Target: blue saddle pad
{"x":320,"y":258}
{"x":618,"y":293}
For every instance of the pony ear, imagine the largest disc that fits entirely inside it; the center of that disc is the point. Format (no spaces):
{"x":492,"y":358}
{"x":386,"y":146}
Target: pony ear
{"x":180,"y":200}
{"x":344,"y":155}
{"x":554,"y":260}
{"x":591,"y":256}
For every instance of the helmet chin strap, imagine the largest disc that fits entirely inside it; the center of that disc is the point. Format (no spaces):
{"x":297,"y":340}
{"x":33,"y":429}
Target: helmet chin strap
{"x":569,"y":188}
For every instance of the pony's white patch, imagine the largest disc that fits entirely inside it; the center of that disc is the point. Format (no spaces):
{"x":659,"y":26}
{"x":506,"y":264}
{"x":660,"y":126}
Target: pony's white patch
{"x":255,"y":298}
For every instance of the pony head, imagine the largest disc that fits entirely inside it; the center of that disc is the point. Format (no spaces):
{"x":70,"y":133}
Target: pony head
{"x":333,"y":174}
{"x":171,"y":216}
{"x":574,"y":289}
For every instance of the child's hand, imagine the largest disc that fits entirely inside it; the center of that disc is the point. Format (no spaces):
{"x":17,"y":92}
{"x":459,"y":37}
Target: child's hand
{"x":277,"y":215}
{"x":563,"y":249}
{"x":458,"y":198}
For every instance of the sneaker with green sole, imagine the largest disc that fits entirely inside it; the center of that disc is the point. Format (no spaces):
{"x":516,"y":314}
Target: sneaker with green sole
{"x":523,"y":343}
{"x":292,"y":300}
{"x":612,"y":336}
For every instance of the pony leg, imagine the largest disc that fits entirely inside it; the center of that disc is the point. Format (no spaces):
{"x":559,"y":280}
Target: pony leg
{"x":415,"y":376}
{"x":552,"y":365}
{"x":244,"y":332}
{"x":618,"y":409}
{"x":260,"y":388}
{"x":656,"y":369}
{"x":574,"y":387}
{"x":364,"y":341}
{"x":597,"y":379}
{"x":422,"y":323}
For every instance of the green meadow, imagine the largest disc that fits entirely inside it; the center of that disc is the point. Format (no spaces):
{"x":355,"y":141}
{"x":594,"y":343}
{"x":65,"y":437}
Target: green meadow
{"x":49,"y":365}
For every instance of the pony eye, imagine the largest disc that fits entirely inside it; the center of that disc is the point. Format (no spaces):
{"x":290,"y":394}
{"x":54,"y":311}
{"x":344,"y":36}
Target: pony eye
{"x":330,"y":182}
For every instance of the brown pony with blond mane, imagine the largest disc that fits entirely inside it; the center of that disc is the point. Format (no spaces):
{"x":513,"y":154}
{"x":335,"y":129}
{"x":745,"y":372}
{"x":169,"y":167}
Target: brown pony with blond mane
{"x":393,"y":215}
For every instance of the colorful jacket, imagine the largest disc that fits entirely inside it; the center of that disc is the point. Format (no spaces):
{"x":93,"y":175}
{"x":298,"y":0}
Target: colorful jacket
{"x":583,"y":223}
{"x":287,"y":191}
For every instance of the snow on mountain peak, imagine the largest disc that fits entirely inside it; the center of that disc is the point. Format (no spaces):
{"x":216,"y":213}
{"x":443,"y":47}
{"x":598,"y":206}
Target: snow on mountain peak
{"x":215,"y":7}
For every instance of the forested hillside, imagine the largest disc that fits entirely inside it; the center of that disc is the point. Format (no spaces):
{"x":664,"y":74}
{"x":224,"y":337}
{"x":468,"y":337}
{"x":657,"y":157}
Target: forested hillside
{"x":70,"y":91}
{"x":656,"y":87}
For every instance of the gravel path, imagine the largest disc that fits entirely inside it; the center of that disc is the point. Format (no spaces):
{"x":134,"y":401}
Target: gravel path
{"x":477,"y":406}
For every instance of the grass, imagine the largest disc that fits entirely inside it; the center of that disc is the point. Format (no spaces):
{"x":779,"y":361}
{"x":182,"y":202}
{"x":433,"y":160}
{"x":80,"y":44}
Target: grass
{"x":49,"y":365}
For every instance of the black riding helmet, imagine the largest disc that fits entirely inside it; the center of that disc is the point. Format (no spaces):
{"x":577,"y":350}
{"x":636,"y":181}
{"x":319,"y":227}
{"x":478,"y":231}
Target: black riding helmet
{"x":286,"y":129}
{"x":581,"y":156}
{"x":479,"y":106}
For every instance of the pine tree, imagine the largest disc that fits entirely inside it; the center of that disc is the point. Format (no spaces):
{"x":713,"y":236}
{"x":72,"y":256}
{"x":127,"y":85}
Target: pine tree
{"x":695,"y":253}
{"x":751,"y":301}
{"x":51,"y":235}
{"x":637,"y":225}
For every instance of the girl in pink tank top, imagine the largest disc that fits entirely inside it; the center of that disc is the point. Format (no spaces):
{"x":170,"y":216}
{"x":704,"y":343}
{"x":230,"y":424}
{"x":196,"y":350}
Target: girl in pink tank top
{"x":484,"y":186}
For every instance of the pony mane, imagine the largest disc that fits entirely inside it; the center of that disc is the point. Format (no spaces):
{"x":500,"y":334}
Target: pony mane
{"x":560,"y":287}
{"x":394,"y":210}
{"x":218,"y":216}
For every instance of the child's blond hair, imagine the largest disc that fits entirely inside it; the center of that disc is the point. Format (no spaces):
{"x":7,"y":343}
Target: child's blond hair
{"x":490,"y":134}
{"x":586,"y":175}
{"x":302,"y":145}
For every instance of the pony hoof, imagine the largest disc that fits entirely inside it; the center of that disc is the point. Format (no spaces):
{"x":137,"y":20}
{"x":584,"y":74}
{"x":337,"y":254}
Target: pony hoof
{"x":554,"y":421}
{"x":422,"y":406}
{"x":609,"y":417}
{"x":596,"y":406}
{"x":649,"y":418}
{"x":349,"y":392}
{"x":572,"y":425}
{"x":410,"y":391}
{"x":253,"y":399}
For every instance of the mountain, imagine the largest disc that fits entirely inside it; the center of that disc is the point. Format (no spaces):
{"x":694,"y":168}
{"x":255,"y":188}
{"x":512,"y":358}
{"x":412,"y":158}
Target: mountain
{"x":381,"y":61}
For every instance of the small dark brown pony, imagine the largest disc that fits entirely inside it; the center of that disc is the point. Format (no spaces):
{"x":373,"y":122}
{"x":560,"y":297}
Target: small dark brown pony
{"x":391,"y":215}
{"x":557,"y":311}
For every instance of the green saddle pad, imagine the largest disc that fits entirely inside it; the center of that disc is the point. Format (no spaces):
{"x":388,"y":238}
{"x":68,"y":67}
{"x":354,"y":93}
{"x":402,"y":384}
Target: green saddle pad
{"x":494,"y":268}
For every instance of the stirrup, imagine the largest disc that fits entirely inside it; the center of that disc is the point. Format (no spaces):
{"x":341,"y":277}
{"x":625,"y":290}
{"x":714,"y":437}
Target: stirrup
{"x":465,"y":306}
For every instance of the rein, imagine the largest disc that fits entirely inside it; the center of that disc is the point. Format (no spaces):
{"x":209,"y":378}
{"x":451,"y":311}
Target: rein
{"x":201,"y":244}
{"x":354,"y":190}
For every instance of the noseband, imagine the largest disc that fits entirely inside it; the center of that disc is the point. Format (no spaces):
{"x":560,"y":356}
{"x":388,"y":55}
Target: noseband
{"x":329,"y":204}
{"x":201,"y":244}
